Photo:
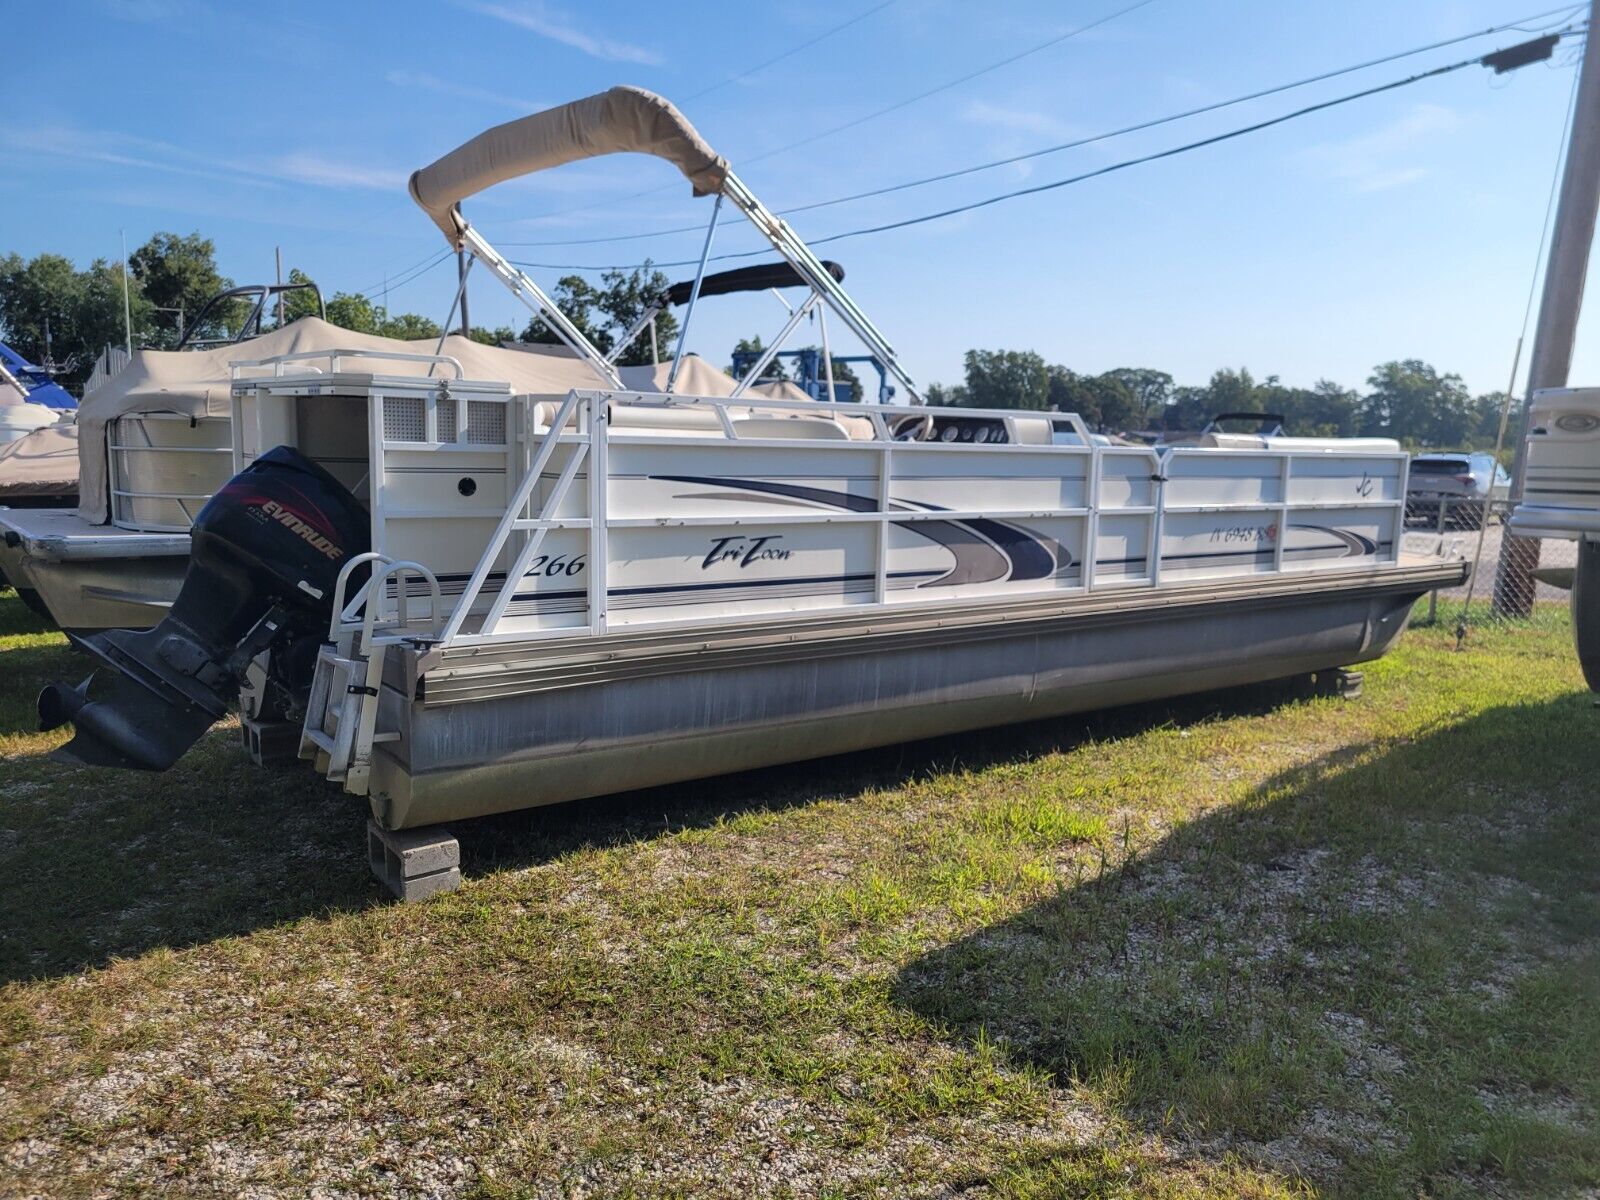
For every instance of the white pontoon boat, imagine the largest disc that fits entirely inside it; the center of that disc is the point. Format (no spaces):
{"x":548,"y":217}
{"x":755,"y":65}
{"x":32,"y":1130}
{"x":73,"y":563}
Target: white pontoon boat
{"x":1561,"y":499}
{"x":497,"y":596}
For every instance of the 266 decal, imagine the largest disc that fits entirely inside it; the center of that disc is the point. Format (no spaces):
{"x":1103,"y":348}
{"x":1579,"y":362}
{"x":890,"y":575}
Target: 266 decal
{"x":552,"y":565}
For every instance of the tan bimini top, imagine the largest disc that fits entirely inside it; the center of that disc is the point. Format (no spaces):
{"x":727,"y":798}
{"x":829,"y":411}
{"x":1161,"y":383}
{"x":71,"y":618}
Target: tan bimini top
{"x":618,"y":121}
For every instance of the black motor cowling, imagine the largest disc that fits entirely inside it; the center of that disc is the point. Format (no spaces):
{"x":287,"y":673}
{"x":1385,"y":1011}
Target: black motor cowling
{"x":264,"y":558}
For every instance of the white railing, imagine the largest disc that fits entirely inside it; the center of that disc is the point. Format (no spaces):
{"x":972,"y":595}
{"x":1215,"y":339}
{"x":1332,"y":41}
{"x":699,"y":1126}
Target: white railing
{"x":1153,"y":498}
{"x":335,"y":358}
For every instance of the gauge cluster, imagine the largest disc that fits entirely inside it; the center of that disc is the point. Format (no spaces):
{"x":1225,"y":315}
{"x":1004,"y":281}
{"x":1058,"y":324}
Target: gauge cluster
{"x":968,"y":429}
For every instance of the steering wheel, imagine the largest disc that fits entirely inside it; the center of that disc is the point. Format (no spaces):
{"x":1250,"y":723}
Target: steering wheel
{"x":914,"y":427}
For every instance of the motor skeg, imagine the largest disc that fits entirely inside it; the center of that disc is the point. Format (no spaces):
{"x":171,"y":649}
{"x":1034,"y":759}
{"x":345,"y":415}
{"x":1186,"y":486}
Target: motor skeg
{"x":264,"y":558}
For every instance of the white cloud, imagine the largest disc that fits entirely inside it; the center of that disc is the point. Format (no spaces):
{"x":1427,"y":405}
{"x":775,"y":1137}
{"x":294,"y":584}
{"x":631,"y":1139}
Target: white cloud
{"x":537,"y":17}
{"x":1384,"y":158}
{"x":114,"y":149}
{"x":444,"y":87}
{"x":327,"y":172}
{"x":1016,"y":120}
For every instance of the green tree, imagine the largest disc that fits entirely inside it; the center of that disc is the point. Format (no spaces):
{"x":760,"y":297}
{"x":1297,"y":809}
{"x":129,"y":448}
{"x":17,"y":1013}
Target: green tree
{"x":603,"y":314}
{"x":1006,"y":379}
{"x":39,"y":300}
{"x":1106,"y":402}
{"x":302,"y":303}
{"x":774,"y":370}
{"x":1150,"y":390}
{"x":99,"y":319}
{"x":355,"y":312}
{"x":947,"y":395}
{"x":497,"y":336}
{"x":1234,"y":391}
{"x":1324,"y":410}
{"x":177,"y":275}
{"x":846,"y":383}
{"x":1411,"y":401}
{"x":576,"y":297}
{"x":624,"y":300}
{"x":408,"y":327}
{"x":1485,"y":417}
{"x":63,"y":318}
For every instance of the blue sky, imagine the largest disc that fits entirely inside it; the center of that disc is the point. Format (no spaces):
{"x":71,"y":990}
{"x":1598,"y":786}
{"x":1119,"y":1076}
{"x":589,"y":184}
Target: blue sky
{"x":1402,"y":225}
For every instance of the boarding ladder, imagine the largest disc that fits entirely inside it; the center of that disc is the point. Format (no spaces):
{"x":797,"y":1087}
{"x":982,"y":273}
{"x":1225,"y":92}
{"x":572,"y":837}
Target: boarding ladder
{"x":342,"y":712}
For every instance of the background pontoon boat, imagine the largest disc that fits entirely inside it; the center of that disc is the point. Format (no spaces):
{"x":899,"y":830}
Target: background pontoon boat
{"x":1561,"y":499}
{"x":33,"y":381}
{"x":457,"y":592}
{"x":29,"y":398}
{"x":121,"y":564}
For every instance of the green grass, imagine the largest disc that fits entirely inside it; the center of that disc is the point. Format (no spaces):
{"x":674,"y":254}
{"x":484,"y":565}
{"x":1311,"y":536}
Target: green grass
{"x":1239,"y":945}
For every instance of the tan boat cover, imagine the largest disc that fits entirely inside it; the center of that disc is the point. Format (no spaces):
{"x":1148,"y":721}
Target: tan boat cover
{"x":42,"y":463}
{"x":618,"y":121}
{"x":198,"y":383}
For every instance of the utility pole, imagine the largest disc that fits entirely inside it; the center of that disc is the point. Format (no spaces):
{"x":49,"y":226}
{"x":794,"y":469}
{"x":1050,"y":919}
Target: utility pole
{"x":1559,"y":306}
{"x":127,"y":305}
{"x":461,"y":276}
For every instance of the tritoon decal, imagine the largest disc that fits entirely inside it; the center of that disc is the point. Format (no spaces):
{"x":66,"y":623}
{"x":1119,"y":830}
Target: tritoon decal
{"x":745,"y":550}
{"x":984,"y":550}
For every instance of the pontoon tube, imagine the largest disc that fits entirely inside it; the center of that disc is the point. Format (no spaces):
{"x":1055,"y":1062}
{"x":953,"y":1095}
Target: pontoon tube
{"x":618,"y":121}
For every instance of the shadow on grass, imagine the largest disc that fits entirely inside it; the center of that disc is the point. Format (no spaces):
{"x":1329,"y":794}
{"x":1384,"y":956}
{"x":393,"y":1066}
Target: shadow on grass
{"x":105,"y":864}
{"x":1381,"y":969}
{"x":538,"y":835}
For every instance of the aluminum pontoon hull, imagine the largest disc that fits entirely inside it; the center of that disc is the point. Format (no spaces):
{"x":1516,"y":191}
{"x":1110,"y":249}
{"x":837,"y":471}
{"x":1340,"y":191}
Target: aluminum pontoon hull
{"x":92,"y":576}
{"x":489,"y":731}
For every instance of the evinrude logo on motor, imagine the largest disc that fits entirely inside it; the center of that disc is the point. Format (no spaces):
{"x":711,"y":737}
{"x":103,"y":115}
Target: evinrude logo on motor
{"x":295,"y":525}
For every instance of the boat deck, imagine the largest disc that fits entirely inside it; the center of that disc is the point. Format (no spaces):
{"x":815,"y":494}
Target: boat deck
{"x":61,"y":535}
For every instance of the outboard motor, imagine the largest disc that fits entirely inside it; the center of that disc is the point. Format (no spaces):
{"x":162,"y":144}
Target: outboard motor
{"x":263,"y":564}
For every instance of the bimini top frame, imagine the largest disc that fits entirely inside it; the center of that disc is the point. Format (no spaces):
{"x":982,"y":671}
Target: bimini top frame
{"x":622,"y":120}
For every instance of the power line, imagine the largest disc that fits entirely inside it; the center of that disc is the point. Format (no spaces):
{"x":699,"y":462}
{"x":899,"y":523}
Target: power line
{"x":793,"y":50}
{"x":872,"y":116}
{"x":944,"y":87}
{"x":1084,"y":141}
{"x":410,"y":273}
{"x":1111,"y":168}
{"x":378,"y":287}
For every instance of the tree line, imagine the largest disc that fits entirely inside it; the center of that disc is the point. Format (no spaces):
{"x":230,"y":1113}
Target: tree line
{"x":1407,"y":399}
{"x":63,"y":317}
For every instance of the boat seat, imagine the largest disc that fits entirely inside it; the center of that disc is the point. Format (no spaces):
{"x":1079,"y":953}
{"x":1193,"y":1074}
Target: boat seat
{"x":1256,"y":441}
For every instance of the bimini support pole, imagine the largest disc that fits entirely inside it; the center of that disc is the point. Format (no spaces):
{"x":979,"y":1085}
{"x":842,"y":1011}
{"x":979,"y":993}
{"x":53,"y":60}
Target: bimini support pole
{"x":801,"y":258}
{"x":647,"y":320}
{"x":827,"y":355}
{"x":461,"y":291}
{"x":694,"y":293}
{"x":541,"y":305}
